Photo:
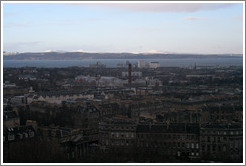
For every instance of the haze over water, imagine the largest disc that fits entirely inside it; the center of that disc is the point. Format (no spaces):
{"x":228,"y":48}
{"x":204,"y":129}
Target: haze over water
{"x":113,"y":62}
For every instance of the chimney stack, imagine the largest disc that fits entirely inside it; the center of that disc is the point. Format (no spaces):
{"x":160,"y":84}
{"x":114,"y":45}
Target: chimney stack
{"x":129,"y":74}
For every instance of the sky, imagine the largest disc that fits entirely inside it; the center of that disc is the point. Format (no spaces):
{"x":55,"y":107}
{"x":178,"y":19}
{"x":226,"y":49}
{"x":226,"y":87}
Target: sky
{"x":205,"y":28}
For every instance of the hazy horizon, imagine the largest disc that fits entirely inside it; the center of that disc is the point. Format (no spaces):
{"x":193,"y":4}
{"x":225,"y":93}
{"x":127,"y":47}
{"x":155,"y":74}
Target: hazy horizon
{"x":180,"y":28}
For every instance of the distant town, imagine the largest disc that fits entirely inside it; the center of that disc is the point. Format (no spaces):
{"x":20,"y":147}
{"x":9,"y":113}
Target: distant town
{"x":132,"y":113}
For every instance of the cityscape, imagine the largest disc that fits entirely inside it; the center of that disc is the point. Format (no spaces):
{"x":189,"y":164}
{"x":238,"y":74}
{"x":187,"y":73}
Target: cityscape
{"x":116,"y":105}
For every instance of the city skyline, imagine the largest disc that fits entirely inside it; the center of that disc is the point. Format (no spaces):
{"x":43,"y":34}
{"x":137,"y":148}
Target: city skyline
{"x":206,"y":28}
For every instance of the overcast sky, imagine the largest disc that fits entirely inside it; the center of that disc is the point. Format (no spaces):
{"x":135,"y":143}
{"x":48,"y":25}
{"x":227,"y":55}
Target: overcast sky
{"x":151,"y":27}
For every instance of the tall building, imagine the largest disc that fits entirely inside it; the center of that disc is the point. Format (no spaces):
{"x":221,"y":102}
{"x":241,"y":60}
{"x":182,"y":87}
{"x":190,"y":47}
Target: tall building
{"x":141,"y":64}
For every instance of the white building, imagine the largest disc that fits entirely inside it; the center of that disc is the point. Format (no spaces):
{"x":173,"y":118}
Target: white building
{"x":141,"y":64}
{"x":88,"y":79}
{"x":58,"y":97}
{"x":154,"y":65}
{"x":111,"y":82}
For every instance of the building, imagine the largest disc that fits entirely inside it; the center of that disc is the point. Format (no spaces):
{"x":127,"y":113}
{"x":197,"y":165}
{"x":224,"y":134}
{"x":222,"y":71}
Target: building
{"x":110,"y":82}
{"x":221,"y":142}
{"x":134,"y":74}
{"x":18,"y":100}
{"x":10,"y":119}
{"x":141,"y":64}
{"x":59,"y":96}
{"x":14,"y":138}
{"x":154,"y":65}
{"x":117,"y":133}
{"x":27,"y":77}
{"x":175,"y":140}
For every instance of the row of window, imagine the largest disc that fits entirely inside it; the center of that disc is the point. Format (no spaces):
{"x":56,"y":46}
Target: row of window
{"x":170,"y":144}
{"x":213,"y":139}
{"x":117,"y":142}
{"x":120,"y":127}
{"x":12,"y":137}
{"x":214,"y":147}
{"x":168,"y":136}
{"x":122,"y":135}
{"x":221,"y":132}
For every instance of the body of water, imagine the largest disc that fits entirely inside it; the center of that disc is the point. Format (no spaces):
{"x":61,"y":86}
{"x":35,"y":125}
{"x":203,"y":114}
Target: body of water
{"x":113,"y":62}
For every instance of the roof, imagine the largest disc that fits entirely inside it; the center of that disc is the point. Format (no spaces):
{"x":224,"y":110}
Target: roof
{"x":9,"y":115}
{"x":18,"y":131}
{"x":172,"y":128}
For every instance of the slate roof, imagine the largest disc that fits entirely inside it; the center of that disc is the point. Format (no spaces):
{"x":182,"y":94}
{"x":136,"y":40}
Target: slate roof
{"x":164,"y":128}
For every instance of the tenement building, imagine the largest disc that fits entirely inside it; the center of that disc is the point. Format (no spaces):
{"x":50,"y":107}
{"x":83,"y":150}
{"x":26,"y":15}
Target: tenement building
{"x":175,"y":140}
{"x":117,"y":133}
{"x":221,"y":142}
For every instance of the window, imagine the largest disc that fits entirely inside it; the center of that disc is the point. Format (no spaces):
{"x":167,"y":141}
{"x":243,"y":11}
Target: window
{"x":208,"y":138}
{"x":31,"y":133}
{"x":187,"y":145}
{"x":11,"y":137}
{"x":192,"y":145}
{"x":224,"y":148}
{"x":214,"y":147}
{"x":26,"y":135}
{"x":197,"y":145}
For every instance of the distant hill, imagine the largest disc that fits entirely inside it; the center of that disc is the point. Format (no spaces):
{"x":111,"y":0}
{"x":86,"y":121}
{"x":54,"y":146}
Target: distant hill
{"x":86,"y":55}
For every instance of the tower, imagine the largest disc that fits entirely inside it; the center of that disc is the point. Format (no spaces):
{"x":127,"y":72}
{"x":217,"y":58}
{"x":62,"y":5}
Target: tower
{"x":129,"y":74}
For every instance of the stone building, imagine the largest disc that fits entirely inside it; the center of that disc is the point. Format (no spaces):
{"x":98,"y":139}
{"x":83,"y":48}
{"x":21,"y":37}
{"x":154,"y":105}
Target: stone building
{"x":117,"y":133}
{"x":175,"y":140}
{"x":221,"y":142}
